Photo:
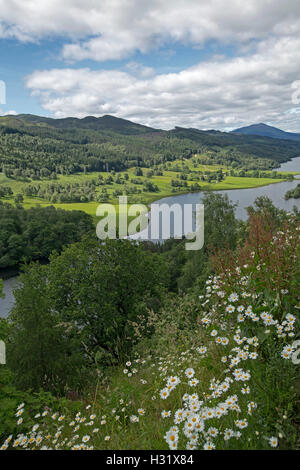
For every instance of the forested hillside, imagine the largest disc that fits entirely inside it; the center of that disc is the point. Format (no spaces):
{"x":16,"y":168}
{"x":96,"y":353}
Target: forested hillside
{"x":34,"y":147}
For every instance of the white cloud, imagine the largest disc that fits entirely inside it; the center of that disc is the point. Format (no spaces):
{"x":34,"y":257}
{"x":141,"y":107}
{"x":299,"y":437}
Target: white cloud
{"x":220,"y":93}
{"x":6,"y":113}
{"x":114,"y":29}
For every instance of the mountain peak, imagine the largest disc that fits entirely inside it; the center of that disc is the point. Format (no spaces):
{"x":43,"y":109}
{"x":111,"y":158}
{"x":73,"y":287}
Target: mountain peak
{"x":264,"y":130}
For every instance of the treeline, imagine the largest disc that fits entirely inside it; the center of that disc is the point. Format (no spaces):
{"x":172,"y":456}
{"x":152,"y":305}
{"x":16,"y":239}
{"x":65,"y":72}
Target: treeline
{"x":260,"y":174}
{"x":63,"y":192}
{"x":27,"y":235}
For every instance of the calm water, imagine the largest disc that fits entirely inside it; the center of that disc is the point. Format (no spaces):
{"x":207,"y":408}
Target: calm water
{"x":7,"y":303}
{"x":293,"y":165}
{"x":244,"y":198}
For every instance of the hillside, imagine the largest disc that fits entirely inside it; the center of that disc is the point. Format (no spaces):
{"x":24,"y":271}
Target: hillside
{"x":106,"y":122}
{"x":30,"y":144}
{"x":267,"y":131}
{"x":101,"y":356}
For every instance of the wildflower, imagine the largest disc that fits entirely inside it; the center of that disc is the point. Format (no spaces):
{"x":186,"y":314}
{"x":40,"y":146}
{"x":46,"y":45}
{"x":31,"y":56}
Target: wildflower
{"x":39,"y":439}
{"x":164,"y":393}
{"x":134,"y":419}
{"x":173,"y":381}
{"x":193,"y":382}
{"x":165,"y":414}
{"x":85,"y":438}
{"x":228,"y":433}
{"x":233,"y":297}
{"x":242,"y":423}
{"x":230,"y":308}
{"x":190,"y":372}
{"x":171,"y":437}
{"x":213,"y":432}
{"x":273,"y":441}
{"x":202,"y":350}
{"x":209,"y":446}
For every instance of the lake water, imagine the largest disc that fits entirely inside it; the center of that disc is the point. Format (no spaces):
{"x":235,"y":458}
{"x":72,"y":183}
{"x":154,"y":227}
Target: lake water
{"x":292,"y":165}
{"x":243,"y":197}
{"x":7,"y":303}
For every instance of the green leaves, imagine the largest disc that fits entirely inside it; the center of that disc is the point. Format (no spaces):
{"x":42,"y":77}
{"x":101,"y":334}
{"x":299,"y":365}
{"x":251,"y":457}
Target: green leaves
{"x":82,"y":304}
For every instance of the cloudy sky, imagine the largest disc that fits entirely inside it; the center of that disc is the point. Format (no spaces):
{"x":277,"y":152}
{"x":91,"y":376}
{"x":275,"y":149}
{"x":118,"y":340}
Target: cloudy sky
{"x":195,"y":63}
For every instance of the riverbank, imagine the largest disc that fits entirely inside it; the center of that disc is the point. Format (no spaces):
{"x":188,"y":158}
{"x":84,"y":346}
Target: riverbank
{"x":162,"y":182}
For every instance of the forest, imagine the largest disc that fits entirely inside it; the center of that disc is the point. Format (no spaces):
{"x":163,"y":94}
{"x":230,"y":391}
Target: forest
{"x":34,"y":147}
{"x":27,"y":235}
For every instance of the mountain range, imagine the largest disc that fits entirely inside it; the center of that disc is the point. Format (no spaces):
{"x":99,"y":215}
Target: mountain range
{"x":29,"y":143}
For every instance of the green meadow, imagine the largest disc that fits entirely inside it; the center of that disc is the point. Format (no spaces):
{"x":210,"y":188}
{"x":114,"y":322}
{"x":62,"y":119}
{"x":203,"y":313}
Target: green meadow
{"x":162,"y":182}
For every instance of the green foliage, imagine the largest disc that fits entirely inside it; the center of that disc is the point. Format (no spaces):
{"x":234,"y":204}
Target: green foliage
{"x":82,"y":303}
{"x":33,"y":147}
{"x":11,"y":398}
{"x":293,"y":193}
{"x":41,"y":349}
{"x":220,"y":232}
{"x":33,"y":234}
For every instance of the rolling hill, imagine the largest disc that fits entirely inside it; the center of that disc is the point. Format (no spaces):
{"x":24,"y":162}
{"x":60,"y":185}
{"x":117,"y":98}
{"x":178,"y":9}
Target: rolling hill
{"x":31,"y":146}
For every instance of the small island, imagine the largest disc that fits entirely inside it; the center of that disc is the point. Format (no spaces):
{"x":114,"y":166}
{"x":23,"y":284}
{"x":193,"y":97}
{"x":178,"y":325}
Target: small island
{"x":293,"y":193}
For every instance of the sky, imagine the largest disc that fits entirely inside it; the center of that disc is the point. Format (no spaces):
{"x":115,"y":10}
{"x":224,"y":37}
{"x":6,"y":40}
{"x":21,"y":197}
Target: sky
{"x":207,"y":64}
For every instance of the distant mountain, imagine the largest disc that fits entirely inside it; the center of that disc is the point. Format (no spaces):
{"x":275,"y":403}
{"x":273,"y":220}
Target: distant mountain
{"x":266,"y":131}
{"x":104,"y":123}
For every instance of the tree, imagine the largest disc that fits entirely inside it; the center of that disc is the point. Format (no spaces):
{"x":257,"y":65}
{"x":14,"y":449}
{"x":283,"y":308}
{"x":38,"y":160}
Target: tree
{"x":138,"y":172}
{"x":19,"y":198}
{"x":41,"y":351}
{"x":85,"y":301}
{"x":220,"y":231}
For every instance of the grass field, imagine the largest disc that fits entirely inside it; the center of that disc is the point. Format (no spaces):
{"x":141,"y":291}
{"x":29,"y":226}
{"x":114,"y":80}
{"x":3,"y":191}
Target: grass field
{"x":163,"y":183}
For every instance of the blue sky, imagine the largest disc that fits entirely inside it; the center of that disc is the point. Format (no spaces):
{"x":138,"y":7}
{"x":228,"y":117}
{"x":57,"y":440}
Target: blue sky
{"x":210,"y":64}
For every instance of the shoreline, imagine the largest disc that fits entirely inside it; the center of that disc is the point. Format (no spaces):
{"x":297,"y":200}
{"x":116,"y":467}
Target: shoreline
{"x":180,"y":193}
{"x":14,"y":271}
